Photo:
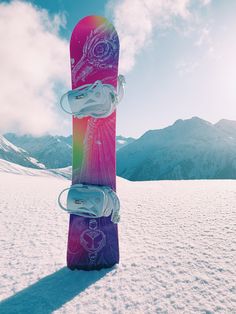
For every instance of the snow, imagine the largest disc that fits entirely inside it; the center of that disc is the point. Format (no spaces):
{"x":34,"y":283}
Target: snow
{"x":121,"y":141}
{"x":7,"y":146}
{"x":66,"y":172}
{"x":9,"y":167}
{"x":177,"y":247}
{"x":13,"y":153}
{"x":36,"y":162}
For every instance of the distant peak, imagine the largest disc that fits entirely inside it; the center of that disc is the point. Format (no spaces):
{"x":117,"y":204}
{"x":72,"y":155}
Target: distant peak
{"x":179,"y":121}
{"x":193,"y":120}
{"x":226,"y":122}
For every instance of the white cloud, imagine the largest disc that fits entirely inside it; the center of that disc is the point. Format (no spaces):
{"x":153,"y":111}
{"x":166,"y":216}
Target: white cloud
{"x":33,"y":60}
{"x":185,"y":67}
{"x":205,"y":2}
{"x":136,"y":21}
{"x":204,"y":37}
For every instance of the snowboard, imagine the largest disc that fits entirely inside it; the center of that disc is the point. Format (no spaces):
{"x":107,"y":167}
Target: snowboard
{"x":94,"y":54}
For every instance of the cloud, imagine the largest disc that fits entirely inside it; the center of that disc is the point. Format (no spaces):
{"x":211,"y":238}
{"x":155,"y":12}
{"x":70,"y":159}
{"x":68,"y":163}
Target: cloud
{"x":137,"y":20}
{"x":185,"y":67}
{"x":205,"y":2}
{"x":34,"y":60}
{"x":204,"y":37}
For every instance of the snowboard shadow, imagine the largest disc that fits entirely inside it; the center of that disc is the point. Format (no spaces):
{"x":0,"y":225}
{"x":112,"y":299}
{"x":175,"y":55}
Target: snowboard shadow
{"x":51,"y":292}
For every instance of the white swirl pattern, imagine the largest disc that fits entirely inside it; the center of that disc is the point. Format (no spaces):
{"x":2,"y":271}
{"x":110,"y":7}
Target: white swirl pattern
{"x":100,"y":49}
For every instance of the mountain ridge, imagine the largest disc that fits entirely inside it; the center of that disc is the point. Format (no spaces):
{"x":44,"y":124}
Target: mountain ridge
{"x":52,"y":151}
{"x":12,"y":153}
{"x":188,"y":149}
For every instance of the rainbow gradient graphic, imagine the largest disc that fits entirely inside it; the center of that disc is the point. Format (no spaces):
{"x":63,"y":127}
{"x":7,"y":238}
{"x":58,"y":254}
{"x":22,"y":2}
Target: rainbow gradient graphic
{"x":94,"y":51}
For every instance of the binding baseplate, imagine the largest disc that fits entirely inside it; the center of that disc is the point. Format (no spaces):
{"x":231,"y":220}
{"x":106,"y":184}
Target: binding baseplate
{"x":91,"y":201}
{"x":97,"y":100}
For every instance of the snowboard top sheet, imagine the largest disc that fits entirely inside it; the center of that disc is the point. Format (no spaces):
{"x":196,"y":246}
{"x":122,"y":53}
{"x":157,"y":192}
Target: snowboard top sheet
{"x":94,"y":51}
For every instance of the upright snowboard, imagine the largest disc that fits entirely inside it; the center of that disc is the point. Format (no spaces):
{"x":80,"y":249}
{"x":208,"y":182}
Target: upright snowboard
{"x":94,"y":52}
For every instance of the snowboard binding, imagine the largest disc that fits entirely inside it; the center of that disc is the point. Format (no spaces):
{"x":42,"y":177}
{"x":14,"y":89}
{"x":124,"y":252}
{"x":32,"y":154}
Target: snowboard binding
{"x":91,"y":201}
{"x":97,"y":100}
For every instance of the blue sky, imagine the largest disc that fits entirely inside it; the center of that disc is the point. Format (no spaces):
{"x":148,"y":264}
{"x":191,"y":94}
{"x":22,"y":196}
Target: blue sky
{"x":177,"y":56}
{"x":74,"y":10}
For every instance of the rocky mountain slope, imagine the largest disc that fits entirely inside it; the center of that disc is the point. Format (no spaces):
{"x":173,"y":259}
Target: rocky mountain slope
{"x":188,"y":149}
{"x":12,"y":153}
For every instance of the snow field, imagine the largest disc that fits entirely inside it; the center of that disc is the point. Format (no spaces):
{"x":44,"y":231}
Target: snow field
{"x":177,"y":247}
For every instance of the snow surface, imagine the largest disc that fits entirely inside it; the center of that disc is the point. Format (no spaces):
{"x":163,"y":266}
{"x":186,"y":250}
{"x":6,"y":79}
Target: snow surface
{"x":6,"y":166}
{"x":6,"y":145}
{"x":121,"y":142}
{"x":36,"y":162}
{"x":177,"y":247}
{"x":17,"y":154}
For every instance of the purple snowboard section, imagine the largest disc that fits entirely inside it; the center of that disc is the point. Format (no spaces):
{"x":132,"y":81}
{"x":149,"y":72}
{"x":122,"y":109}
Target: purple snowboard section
{"x":94,"y":51}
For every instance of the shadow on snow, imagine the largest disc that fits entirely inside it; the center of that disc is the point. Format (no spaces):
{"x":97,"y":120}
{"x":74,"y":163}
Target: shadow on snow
{"x":51,"y":292}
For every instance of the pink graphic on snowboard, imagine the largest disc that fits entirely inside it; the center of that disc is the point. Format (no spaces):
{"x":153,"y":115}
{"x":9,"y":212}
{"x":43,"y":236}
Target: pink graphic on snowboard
{"x":94,"y":51}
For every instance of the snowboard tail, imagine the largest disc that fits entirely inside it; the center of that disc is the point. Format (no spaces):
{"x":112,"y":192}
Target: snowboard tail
{"x":94,"y":51}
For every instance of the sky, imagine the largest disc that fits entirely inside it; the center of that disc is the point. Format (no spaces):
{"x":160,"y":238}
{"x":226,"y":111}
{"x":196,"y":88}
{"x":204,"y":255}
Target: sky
{"x":178,"y":57}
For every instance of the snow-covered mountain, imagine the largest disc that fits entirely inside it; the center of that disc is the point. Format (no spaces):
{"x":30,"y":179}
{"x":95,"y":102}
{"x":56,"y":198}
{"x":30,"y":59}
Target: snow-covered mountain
{"x":177,"y":249}
{"x":189,"y":149}
{"x":122,"y":141}
{"x":52,"y":151}
{"x":228,"y":127}
{"x":12,"y":153}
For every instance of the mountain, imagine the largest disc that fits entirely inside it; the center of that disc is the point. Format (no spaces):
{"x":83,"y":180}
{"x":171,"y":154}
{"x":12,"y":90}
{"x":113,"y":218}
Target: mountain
{"x":122,"y":141}
{"x":189,"y":149}
{"x":52,"y":151}
{"x":12,"y":153}
{"x":228,"y":127}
